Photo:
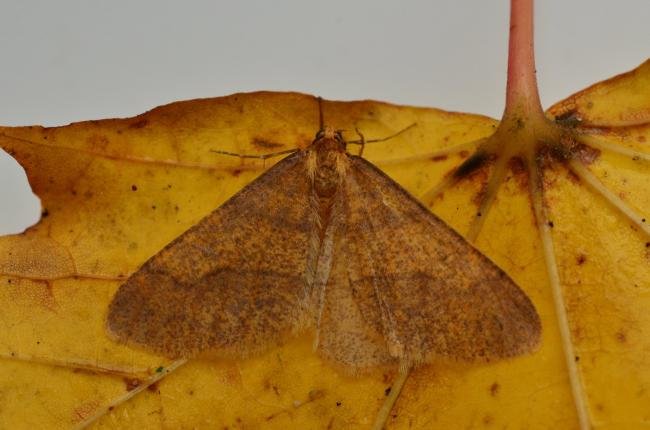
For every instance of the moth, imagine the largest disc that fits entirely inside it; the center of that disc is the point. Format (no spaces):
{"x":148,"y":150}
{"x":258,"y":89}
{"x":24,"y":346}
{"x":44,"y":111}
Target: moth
{"x":326,"y":242}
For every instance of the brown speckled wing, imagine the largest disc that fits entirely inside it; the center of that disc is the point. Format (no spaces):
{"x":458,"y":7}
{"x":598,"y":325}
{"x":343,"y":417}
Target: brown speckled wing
{"x":231,"y":284}
{"x":405,"y":287}
{"x":348,"y":315}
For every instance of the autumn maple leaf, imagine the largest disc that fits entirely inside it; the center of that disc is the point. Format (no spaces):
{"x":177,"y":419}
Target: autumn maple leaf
{"x":556,"y":199}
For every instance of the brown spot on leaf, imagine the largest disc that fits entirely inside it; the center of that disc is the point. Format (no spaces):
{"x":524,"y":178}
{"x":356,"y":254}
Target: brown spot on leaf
{"x":232,"y":376}
{"x":131,"y":383}
{"x":83,"y":411}
{"x":494,"y":389}
{"x":517,"y":165}
{"x":139,"y":123}
{"x":98,"y":142}
{"x":519,"y":171}
{"x":488,"y":419}
{"x":621,"y":336}
{"x":550,"y":153}
{"x":580,"y":259}
{"x":268,"y":386}
{"x":587,"y":154}
{"x":478,"y":197}
{"x":270,"y":417}
{"x":439,"y":157}
{"x":641,"y":138}
{"x":569,"y":118}
{"x":471,"y":165}
{"x":153,"y":387}
{"x":573,"y":177}
{"x":316,"y":395}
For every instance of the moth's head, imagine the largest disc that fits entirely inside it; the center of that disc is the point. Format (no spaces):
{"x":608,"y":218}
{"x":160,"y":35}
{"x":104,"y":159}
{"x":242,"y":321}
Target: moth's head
{"x":329,"y":138}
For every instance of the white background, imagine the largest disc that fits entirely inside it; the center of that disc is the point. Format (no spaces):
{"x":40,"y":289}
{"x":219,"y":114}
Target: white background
{"x":65,"y":60}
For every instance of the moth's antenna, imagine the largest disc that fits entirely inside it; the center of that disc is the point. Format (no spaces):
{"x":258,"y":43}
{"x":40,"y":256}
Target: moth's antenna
{"x":321,"y":125}
{"x":260,"y":156}
{"x":363,"y":141}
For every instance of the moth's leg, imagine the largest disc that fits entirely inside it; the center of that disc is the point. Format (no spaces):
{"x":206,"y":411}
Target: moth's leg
{"x":259,"y":156}
{"x":363,"y":141}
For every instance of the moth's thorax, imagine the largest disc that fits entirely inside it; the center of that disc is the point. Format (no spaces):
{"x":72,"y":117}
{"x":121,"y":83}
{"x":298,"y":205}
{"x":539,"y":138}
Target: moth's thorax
{"x":327,"y":161}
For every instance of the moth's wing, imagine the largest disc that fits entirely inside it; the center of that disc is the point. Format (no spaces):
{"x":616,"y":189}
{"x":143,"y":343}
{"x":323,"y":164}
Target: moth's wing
{"x":347,"y":314}
{"x":420,"y":283}
{"x":233,"y":283}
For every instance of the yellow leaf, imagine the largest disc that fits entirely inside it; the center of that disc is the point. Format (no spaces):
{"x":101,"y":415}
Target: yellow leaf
{"x":116,"y":191}
{"x":620,"y":101}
